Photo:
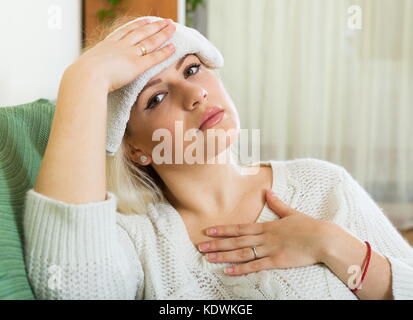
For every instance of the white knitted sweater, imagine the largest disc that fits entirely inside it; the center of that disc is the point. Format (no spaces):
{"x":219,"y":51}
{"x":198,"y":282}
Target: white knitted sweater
{"x":91,"y":251}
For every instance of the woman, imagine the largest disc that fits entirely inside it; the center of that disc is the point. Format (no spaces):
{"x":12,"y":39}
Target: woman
{"x":141,"y":235}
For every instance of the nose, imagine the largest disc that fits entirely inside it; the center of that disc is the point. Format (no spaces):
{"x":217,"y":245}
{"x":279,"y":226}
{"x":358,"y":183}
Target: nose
{"x":197,"y":98}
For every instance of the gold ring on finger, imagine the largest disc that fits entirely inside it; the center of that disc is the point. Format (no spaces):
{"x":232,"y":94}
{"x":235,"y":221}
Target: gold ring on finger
{"x":255,"y":251}
{"x":142,"y":48}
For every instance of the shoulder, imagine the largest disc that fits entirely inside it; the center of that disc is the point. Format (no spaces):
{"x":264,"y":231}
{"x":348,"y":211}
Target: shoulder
{"x":310,"y":176}
{"x":313,"y":165}
{"x":134,"y":225}
{"x":307,"y":170}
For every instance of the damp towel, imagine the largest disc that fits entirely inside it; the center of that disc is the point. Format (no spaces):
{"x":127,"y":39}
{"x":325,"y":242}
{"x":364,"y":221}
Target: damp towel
{"x":187,"y":41}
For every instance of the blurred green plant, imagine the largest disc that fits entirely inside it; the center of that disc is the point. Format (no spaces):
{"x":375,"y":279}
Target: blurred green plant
{"x":110,"y":13}
{"x":191,"y":6}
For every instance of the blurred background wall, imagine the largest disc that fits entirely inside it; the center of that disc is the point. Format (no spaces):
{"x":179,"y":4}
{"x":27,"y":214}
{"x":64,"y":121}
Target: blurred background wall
{"x":39,"y":40}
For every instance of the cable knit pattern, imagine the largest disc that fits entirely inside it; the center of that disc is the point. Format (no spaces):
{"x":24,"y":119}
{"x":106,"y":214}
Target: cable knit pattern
{"x":91,"y":251}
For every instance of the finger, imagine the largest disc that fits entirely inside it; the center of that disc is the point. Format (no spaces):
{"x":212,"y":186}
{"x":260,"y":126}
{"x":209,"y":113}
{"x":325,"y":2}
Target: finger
{"x":235,"y":230}
{"x":230,"y":243}
{"x":150,"y":39}
{"x":239,"y":255}
{"x":120,"y":32}
{"x":249,"y":267}
{"x":155,"y":57}
{"x":146,"y":32}
{"x":278,"y":206}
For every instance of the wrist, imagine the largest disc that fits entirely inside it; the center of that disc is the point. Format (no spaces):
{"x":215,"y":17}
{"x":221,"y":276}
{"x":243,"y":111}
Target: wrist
{"x":83,"y":72}
{"x":341,"y":247}
{"x":332,"y":239}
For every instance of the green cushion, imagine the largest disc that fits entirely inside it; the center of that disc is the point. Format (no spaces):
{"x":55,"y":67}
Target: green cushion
{"x":24,"y":131}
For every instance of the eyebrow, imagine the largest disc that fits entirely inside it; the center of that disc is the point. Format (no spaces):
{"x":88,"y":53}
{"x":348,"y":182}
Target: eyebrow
{"x":156,"y":81}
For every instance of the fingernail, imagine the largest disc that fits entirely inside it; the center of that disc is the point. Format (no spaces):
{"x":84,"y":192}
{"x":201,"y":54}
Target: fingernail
{"x":211,"y":231}
{"x":229,"y":269}
{"x":203,"y":246}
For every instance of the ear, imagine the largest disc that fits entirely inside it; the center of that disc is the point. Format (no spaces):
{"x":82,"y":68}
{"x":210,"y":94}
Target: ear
{"x":128,"y":149}
{"x":276,"y":205}
{"x":132,"y":153}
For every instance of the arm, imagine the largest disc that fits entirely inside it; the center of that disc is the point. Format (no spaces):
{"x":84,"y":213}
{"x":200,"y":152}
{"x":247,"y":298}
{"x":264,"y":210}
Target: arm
{"x":390,"y":274}
{"x":79,"y":251}
{"x":77,"y":140}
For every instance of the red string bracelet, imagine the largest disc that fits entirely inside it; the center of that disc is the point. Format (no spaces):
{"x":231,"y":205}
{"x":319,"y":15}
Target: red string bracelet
{"x":366,"y":266}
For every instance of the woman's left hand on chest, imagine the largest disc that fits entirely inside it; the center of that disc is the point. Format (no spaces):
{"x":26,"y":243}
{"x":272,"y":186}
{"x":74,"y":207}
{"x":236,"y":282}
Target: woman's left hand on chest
{"x":294,"y":240}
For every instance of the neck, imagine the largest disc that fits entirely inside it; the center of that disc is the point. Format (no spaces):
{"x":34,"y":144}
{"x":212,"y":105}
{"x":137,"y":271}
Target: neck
{"x":202,"y":189}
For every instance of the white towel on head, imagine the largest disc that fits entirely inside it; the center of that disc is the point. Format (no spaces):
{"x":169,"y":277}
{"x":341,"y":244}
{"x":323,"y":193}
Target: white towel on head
{"x":186,"y":41}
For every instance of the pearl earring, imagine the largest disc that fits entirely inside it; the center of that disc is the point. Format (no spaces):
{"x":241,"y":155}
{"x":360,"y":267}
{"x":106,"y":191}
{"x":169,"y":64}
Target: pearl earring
{"x":143,"y":158}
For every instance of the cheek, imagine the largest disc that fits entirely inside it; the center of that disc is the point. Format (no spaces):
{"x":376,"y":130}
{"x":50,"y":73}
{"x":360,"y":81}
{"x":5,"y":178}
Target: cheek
{"x":166,"y":122}
{"x":219,"y":94}
{"x":164,"y":126}
{"x":141,"y":132}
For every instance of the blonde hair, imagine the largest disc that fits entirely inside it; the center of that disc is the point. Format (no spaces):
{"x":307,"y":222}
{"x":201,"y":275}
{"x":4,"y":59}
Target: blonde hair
{"x":135,"y":186}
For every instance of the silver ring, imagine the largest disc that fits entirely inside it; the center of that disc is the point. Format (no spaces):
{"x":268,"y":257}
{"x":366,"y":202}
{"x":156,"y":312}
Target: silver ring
{"x":142,"y":48}
{"x":255,"y":251}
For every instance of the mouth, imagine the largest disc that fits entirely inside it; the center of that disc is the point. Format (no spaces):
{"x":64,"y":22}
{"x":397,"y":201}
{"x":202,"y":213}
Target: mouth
{"x":211,"y":116}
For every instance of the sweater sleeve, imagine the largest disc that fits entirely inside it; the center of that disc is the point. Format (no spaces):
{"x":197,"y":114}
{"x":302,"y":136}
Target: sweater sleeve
{"x":367,"y":222}
{"x":79,"y":251}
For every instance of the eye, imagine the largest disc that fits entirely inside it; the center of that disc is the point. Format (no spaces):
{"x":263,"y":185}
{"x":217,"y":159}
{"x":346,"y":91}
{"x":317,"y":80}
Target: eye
{"x":152,"y":101}
{"x":197,"y":65}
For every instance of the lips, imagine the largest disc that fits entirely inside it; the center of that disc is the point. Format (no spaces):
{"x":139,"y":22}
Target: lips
{"x":208,"y":113}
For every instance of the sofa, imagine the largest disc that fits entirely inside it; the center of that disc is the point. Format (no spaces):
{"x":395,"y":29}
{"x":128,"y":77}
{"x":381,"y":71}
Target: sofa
{"x":24,"y":131}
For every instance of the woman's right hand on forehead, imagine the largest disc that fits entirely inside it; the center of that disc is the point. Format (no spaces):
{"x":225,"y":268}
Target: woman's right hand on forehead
{"x":118,"y":59}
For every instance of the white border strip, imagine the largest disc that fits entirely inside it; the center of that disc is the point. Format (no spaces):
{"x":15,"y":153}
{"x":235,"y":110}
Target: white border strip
{"x":181,"y":11}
